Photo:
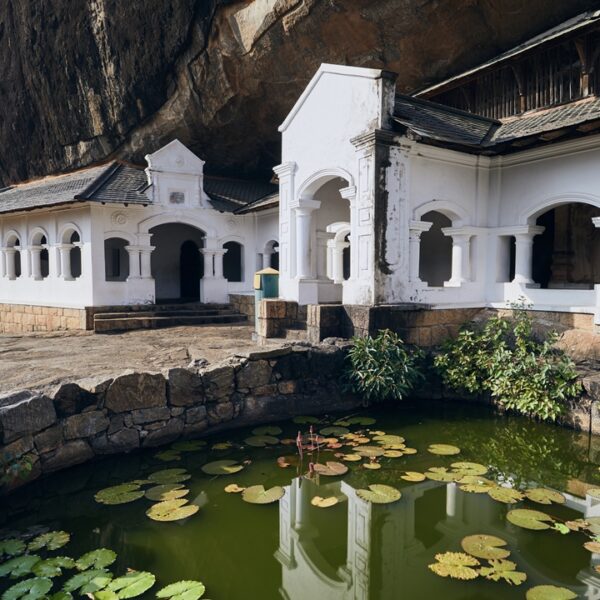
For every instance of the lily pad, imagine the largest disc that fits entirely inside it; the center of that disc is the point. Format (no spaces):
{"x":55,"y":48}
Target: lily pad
{"x":166,"y":491}
{"x":169,"y":476}
{"x":61,"y":596}
{"x":183,"y":590}
{"x":168,"y":455}
{"x":475,"y":484}
{"x":373,"y":466}
{"x":256,"y":494}
{"x":135,"y":583}
{"x":380,"y":494}
{"x":545,"y":496}
{"x":267,"y":430}
{"x":443,"y":449}
{"x":369,"y":451}
{"x":19,"y":566}
{"x":335,"y":431}
{"x":351,"y":457}
{"x":304,"y":420}
{"x":440,"y":474}
{"x":529,"y":519}
{"x":330,"y":469}
{"x":189,"y":446}
{"x":172,"y":510}
{"x":485,"y":546}
{"x":222,"y":467}
{"x":456,"y":565}
{"x":409,"y":451}
{"x":393,"y":453}
{"x":12,"y":547}
{"x":88,"y":582}
{"x":260,"y":441}
{"x":505,"y":495}
{"x":324,"y":502}
{"x":503,"y":569}
{"x":222,"y":446}
{"x":549,"y":592}
{"x":388,"y":438}
{"x":470,"y":468}
{"x":592,"y":547}
{"x":234,"y":488}
{"x":98,"y":559}
{"x":53,"y":540}
{"x":52,"y":567}
{"x":414,"y":476}
{"x":30,"y":589}
{"x":119,"y":494}
{"x":365,"y":421}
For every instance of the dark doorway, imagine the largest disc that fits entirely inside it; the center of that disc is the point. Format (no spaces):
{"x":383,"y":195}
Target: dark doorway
{"x":190,"y":270}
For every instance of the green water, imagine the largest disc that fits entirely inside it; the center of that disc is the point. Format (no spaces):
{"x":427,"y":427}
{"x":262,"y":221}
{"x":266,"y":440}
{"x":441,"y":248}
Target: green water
{"x":353,"y":550}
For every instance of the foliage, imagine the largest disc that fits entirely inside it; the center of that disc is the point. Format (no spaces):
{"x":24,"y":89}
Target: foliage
{"x":505,"y":359}
{"x":382,"y":367}
{"x":14,"y":468}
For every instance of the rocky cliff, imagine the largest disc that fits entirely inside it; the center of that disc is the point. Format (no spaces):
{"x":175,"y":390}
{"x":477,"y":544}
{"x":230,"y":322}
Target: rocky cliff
{"x":84,"y":80}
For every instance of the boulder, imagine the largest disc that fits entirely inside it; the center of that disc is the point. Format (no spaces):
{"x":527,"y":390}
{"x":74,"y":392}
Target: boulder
{"x":171,"y":431}
{"x":196,"y":414}
{"x":69,"y":455}
{"x":124,"y":440}
{"x":133,"y":390}
{"x":86,"y":425}
{"x":49,"y":440}
{"x":149,"y":415}
{"x":71,"y":399}
{"x":24,"y":412}
{"x":218,"y":382}
{"x":185,"y":387}
{"x":255,"y":373}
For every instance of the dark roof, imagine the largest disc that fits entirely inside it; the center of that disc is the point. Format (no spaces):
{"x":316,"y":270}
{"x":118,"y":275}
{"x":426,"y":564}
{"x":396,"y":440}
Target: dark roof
{"x":230,"y":195}
{"x":270,"y":201}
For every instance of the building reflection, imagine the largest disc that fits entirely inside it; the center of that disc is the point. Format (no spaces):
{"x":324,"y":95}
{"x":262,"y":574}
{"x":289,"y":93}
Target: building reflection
{"x":386,"y":546}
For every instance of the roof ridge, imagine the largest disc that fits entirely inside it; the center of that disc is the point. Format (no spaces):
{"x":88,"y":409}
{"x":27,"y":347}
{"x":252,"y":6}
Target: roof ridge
{"x":449,"y":109}
{"x":98,"y":182}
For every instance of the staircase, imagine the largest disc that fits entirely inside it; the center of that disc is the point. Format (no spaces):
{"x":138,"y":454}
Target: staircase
{"x":156,"y":316}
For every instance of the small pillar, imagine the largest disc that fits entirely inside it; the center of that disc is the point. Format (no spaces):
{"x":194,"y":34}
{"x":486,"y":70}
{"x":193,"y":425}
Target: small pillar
{"x":304,"y":237}
{"x":219,"y":254}
{"x":461,"y":262}
{"x":9,"y":254}
{"x":524,"y":255}
{"x":36,"y":262}
{"x":145,"y":261}
{"x":208,"y":257}
{"x":414,"y":248}
{"x":134,"y":262}
{"x":337,"y":260}
{"x":65,"y":261}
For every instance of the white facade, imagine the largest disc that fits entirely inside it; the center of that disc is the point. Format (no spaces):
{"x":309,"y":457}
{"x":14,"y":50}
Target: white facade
{"x":140,"y":262}
{"x":345,"y":170}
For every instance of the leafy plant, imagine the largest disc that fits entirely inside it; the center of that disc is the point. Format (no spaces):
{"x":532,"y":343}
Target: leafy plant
{"x":14,"y":468}
{"x":382,"y":367}
{"x":505,"y":359}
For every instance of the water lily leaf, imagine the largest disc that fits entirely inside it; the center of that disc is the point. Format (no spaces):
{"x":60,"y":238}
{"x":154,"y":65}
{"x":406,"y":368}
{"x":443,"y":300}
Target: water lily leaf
{"x":62,"y":596}
{"x":475,"y":484}
{"x":505,"y":495}
{"x":30,"y":589}
{"x":365,"y":421}
{"x":577,"y":524}
{"x":545,"y":496}
{"x":593,"y":524}
{"x":166,"y":491}
{"x":183,"y":590}
{"x":104,"y":595}
{"x":267,"y":430}
{"x":485,"y":546}
{"x":168,"y":455}
{"x":409,"y":451}
{"x":351,"y":457}
{"x":330,"y":468}
{"x":172,"y":510}
{"x":342,"y":423}
{"x":388,"y":439}
{"x":529,"y":519}
{"x":234,"y":488}
{"x":256,"y":494}
{"x":169,"y":476}
{"x":52,"y":567}
{"x":222,"y":467}
{"x":135,"y":583}
{"x":373,"y":466}
{"x":594,"y":493}
{"x":549,"y":592}
{"x":393,"y":454}
{"x":380,"y":494}
{"x":304,"y":420}
{"x":561,"y":528}
{"x":119,"y":494}
{"x":369,"y":451}
{"x":413,"y":476}
{"x":503,"y":569}
{"x":189,"y":446}
{"x":88,"y":582}
{"x":12,"y":547}
{"x":592,"y":547}
{"x":443,"y":449}
{"x":324,"y":502}
{"x":456,"y":565}
{"x":440,"y":474}
{"x":335,"y":431}
{"x":470,"y":468}
{"x":222,"y":446}
{"x":53,"y":540}
{"x":19,"y":566}
{"x":98,"y":559}
{"x":260,"y":441}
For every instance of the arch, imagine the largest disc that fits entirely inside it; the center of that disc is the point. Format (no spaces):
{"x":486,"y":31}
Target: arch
{"x":171,"y":219}
{"x":233,"y":261}
{"x":341,"y":229}
{"x":542,"y":205}
{"x":66,"y":233}
{"x":36,"y":236}
{"x":312,"y":184}
{"x":116,"y":259}
{"x":435,"y":250}
{"x":449,"y":209}
{"x":270,"y":255}
{"x":117,"y":233}
{"x":12,"y":239}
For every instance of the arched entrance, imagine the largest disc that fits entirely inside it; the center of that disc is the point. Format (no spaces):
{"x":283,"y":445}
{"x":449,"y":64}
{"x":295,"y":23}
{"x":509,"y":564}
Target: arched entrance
{"x":435,"y":262}
{"x":176,"y":262}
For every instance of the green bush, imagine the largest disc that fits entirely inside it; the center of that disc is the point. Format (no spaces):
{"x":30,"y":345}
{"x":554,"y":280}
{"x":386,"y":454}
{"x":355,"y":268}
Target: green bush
{"x":382,"y":367}
{"x":505,"y":359}
{"x":13,"y":469}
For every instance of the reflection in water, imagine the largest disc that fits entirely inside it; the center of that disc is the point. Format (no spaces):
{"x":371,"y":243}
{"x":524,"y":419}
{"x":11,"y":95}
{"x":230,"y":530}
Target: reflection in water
{"x":384,"y":557}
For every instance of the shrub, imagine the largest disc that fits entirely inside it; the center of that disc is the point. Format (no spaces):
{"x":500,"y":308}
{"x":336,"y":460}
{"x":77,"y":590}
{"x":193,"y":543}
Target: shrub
{"x":13,"y":469}
{"x":382,"y":367}
{"x":505,"y":359}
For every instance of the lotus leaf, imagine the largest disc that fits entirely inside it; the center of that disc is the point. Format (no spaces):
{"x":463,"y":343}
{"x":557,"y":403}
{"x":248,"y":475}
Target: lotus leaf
{"x":365,"y":421}
{"x":373,"y":466}
{"x":388,"y":439}
{"x":456,"y":565}
{"x":88,"y":582}
{"x":443,"y":449}
{"x":392,"y":454}
{"x":234,"y":488}
{"x":324,"y":502}
{"x":62,"y":596}
{"x":342,"y":423}
{"x":380,"y":494}
{"x":135,"y":583}
{"x":19,"y":566}
{"x":119,"y":494}
{"x":369,"y":451}
{"x":53,"y":540}
{"x":189,"y":446}
{"x":104,"y":595}
{"x":287,"y":461}
{"x":52,"y":567}
{"x":440,"y":474}
{"x":485,"y":546}
{"x":470,"y":468}
{"x":169,"y":476}
{"x":413,"y":476}
{"x":166,"y":491}
{"x":260,"y":441}
{"x":577,"y":524}
{"x":505,"y":495}
{"x":337,"y":431}
{"x":545,"y":496}
{"x":183,"y":590}
{"x":330,"y":469}
{"x":503,"y":569}
{"x":475,"y":484}
{"x":549,"y":592}
{"x":172,"y":510}
{"x":304,"y":420}
{"x":222,"y":446}
{"x":256,"y":494}
{"x":593,"y":524}
{"x":409,"y":450}
{"x":222,"y":467}
{"x":168,"y":455}
{"x":30,"y":589}
{"x":529,"y":519}
{"x":98,"y":559}
{"x":592,"y":547}
{"x":267,"y":430}
{"x":12,"y":547}
{"x":351,"y":457}
{"x":362,"y":440}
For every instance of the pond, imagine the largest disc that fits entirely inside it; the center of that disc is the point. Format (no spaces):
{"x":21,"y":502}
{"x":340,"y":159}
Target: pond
{"x":351,"y":547}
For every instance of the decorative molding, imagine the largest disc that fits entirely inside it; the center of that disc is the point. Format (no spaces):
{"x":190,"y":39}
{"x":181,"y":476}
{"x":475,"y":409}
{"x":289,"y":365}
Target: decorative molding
{"x":118,"y":219}
{"x":381,"y":137}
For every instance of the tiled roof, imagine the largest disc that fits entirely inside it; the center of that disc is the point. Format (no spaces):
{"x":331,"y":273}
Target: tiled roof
{"x":229,"y":195}
{"x":270,"y":201}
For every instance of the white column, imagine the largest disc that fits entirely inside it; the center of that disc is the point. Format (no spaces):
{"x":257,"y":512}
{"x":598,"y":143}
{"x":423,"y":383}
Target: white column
{"x":414,"y":248}
{"x":461,"y":264}
{"x":10,"y":263}
{"x":65,"y":261}
{"x":36,"y":264}
{"x":134,"y":262}
{"x":524,"y":255}
{"x":2,"y":262}
{"x":146,"y":265}
{"x":207,"y":255}
{"x":337,"y":261}
{"x":266,"y":258}
{"x":304,"y":237}
{"x":219,"y":254}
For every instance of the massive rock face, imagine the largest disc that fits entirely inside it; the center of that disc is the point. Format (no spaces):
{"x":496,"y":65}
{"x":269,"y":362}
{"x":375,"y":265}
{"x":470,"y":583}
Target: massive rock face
{"x":83,"y":81}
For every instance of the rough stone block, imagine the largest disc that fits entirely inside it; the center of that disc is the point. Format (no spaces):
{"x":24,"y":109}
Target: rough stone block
{"x":86,"y":425}
{"x":253,"y":374}
{"x":196,"y":414}
{"x":125,"y":440}
{"x":149,"y":415}
{"x":171,"y":431}
{"x":49,"y":440}
{"x":133,"y":390}
{"x":70,"y":399}
{"x":218,"y":382}
{"x":185,"y":388}
{"x":220,"y":413}
{"x":195,"y":429}
{"x":287,"y":387}
{"x":19,"y":447}
{"x":24,"y":412}
{"x":72,"y":453}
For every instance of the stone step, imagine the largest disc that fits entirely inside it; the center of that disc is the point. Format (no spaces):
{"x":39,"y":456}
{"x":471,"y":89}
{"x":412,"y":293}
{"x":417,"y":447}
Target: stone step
{"x":169,"y":307}
{"x":296,"y":333}
{"x":130,"y":322}
{"x":207,"y":312}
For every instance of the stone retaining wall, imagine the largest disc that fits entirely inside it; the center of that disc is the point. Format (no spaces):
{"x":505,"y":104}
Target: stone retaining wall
{"x":25,"y":318}
{"x":243,"y":303}
{"x":78,"y":421}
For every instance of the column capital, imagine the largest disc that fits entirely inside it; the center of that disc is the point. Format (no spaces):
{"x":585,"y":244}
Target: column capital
{"x":416,"y":228}
{"x":374,"y":137}
{"x":285,"y":169}
{"x":64,"y":246}
{"x":307,"y":205}
{"x":207,"y":251}
{"x":220,"y":252}
{"x":348,"y":193}
{"x":596,"y":221}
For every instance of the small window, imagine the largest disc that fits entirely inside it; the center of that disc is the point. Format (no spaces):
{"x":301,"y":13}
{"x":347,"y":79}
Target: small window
{"x":116,"y":259}
{"x":232,"y":262}
{"x":177,"y":198}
